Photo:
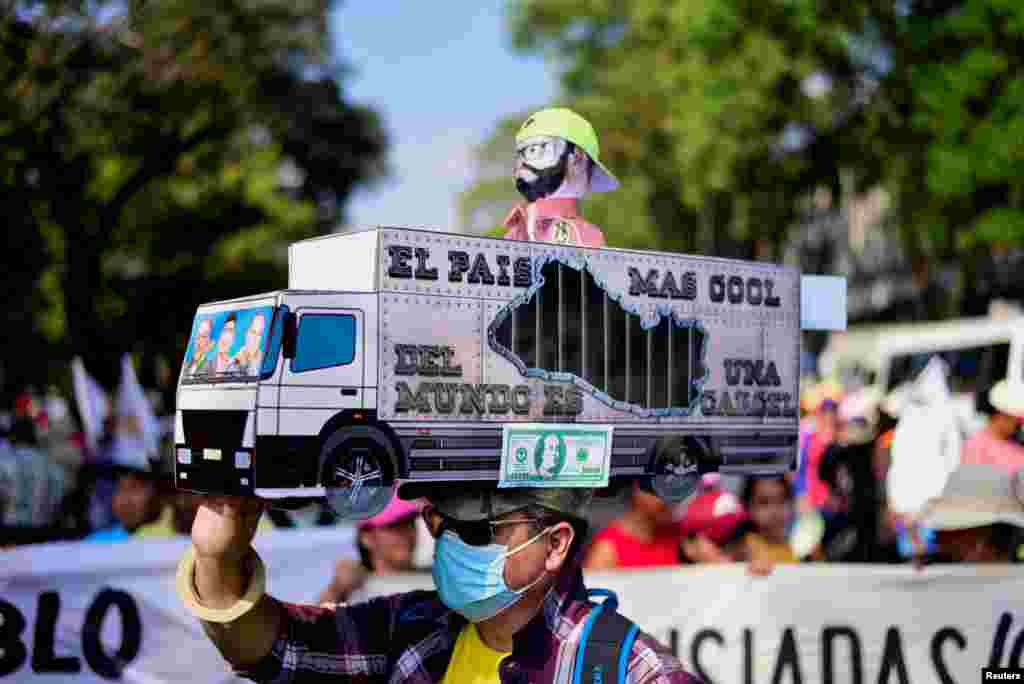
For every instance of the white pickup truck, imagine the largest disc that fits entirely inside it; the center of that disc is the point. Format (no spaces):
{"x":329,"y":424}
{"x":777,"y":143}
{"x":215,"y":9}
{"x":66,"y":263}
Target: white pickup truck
{"x":403,"y":356}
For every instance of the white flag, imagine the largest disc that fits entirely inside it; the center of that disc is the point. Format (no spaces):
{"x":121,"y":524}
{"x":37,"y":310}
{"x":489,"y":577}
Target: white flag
{"x":138,"y":426}
{"x":92,"y":402}
{"x":927,"y":441}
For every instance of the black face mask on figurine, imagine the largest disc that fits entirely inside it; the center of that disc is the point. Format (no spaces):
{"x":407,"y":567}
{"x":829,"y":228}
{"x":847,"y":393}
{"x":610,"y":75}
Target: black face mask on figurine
{"x":541,"y":166}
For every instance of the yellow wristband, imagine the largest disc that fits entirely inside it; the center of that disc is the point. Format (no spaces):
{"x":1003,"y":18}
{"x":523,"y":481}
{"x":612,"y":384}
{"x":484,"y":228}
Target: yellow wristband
{"x":185,"y":583}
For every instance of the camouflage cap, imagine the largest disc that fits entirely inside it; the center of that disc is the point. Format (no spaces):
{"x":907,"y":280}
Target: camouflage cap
{"x":472,"y":501}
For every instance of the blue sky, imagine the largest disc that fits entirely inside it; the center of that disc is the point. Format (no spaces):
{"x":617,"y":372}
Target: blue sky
{"x":441,"y":74}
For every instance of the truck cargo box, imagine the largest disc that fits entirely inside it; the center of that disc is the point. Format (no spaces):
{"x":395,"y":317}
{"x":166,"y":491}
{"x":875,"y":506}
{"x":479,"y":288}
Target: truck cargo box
{"x":451,"y":343}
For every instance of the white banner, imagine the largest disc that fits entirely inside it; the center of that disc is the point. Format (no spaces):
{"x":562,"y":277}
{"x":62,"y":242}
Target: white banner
{"x":86,"y":612}
{"x":828,"y":624}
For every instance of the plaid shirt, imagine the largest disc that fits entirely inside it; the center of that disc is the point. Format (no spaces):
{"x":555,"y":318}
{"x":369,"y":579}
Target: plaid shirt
{"x":410,"y":638}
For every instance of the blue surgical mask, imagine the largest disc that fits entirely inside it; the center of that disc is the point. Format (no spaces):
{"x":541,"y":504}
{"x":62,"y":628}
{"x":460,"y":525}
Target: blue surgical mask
{"x":471,"y":579}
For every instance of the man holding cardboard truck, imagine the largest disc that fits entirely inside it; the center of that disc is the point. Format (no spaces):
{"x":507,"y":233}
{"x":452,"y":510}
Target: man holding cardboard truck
{"x":510,"y":604}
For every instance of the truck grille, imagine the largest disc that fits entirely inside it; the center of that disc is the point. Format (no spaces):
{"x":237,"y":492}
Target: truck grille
{"x":217,"y":429}
{"x":453,"y":463}
{"x":570,"y":325}
{"x":458,"y":442}
{"x":454,"y":453}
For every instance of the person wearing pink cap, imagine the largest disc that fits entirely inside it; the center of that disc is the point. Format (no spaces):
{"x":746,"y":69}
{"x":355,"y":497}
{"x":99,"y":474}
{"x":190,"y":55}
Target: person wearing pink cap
{"x":387,"y":546}
{"x":715,"y":526}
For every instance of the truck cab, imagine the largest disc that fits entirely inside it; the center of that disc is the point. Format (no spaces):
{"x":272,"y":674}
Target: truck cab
{"x":268,"y":375}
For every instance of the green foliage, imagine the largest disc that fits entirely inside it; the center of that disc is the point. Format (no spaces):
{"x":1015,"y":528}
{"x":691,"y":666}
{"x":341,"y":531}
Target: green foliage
{"x":697,"y":101}
{"x":485,"y":204}
{"x":141,"y":156}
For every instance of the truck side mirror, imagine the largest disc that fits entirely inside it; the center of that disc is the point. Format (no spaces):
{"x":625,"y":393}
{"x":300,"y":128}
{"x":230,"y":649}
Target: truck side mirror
{"x":290,"y":335}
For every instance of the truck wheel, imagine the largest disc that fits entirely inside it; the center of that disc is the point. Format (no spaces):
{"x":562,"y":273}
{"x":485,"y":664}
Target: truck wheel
{"x":357,"y":472}
{"x":676,"y":468}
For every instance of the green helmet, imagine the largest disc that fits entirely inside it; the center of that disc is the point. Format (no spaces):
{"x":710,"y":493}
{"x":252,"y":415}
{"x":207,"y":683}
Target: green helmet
{"x":568,"y":125}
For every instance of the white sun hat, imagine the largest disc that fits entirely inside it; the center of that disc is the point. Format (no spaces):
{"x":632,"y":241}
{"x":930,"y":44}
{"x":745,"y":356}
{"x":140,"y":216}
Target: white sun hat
{"x":977,"y":495}
{"x":1008,"y":397}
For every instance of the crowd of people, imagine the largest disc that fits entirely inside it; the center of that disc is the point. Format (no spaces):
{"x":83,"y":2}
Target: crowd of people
{"x":835,"y":507}
{"x":56,"y":486}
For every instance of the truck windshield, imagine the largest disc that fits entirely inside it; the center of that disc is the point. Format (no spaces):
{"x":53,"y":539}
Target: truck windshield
{"x":227,"y":346}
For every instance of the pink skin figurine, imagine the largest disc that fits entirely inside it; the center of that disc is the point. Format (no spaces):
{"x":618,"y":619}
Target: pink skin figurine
{"x":555,"y":166}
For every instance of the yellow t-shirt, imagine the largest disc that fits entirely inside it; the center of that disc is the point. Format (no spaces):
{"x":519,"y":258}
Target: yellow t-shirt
{"x":761,"y":548}
{"x":473,"y":661}
{"x":161,"y":527}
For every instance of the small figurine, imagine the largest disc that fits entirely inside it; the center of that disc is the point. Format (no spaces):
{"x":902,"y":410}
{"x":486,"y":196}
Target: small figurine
{"x":557,"y":162}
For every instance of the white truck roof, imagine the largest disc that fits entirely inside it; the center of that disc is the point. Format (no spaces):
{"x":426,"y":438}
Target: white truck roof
{"x":959,"y":333}
{"x":341,"y":261}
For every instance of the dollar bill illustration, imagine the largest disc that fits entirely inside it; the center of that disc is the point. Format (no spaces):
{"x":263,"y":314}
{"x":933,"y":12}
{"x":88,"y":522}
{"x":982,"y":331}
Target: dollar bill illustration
{"x":554,"y":455}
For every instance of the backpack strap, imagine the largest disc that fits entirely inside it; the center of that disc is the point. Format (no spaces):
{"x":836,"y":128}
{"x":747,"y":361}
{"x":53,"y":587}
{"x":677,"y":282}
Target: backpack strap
{"x":602,"y":656}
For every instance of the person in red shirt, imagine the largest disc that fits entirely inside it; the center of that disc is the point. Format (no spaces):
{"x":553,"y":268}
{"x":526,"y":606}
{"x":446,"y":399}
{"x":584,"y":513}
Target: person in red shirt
{"x":994,"y":443}
{"x":644,"y":537}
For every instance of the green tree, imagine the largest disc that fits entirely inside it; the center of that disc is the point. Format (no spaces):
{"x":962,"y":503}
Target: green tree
{"x":484,"y":204}
{"x":727,"y":112}
{"x":157,"y":155}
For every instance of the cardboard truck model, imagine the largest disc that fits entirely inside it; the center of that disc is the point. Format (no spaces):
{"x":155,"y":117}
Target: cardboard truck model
{"x":419,"y":358}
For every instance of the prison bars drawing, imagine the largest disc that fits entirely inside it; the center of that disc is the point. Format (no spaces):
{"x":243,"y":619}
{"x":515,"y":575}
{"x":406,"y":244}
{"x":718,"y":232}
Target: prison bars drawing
{"x":642,"y":364}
